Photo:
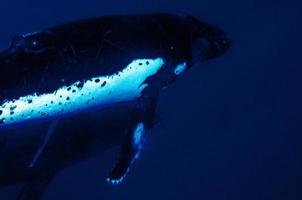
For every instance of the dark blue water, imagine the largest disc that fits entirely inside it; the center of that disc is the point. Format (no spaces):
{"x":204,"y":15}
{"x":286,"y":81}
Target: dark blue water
{"x":230,"y":129}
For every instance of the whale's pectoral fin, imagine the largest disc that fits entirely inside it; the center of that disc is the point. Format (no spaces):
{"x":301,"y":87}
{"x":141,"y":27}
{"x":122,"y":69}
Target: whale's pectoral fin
{"x":34,"y":189}
{"x":130,"y":150}
{"x":39,"y":152}
{"x":142,"y":119}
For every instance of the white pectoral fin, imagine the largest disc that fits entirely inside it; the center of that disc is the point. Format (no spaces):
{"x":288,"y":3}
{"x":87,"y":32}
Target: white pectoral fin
{"x":40,"y":150}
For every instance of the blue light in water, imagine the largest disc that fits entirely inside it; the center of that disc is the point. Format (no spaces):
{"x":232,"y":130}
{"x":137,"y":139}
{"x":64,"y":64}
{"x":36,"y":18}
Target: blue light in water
{"x":97,"y":92}
{"x":180,"y":68}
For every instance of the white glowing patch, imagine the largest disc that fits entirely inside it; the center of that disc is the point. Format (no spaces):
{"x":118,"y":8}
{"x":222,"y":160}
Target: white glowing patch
{"x":115,"y":182}
{"x":138,"y":138}
{"x":97,"y":92}
{"x":138,"y":135}
{"x":180,"y":68}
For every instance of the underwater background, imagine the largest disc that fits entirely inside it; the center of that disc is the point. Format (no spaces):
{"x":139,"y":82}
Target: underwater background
{"x":229,"y":129}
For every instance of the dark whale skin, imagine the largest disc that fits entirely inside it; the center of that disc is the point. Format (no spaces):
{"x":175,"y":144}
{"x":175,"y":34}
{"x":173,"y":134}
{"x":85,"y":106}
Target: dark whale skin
{"x":43,"y":61}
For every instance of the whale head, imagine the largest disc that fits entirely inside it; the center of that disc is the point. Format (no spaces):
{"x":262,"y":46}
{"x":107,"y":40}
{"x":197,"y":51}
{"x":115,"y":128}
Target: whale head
{"x":208,"y":41}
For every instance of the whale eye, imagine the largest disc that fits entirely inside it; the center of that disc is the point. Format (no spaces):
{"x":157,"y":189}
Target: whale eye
{"x":38,"y":42}
{"x":34,"y":44}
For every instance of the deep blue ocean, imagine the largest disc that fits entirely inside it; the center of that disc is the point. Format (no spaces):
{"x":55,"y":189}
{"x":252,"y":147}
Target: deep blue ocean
{"x":230,"y":128}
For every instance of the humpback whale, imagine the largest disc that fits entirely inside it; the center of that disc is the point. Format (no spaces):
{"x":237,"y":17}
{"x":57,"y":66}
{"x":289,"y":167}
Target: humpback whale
{"x":74,"y":90}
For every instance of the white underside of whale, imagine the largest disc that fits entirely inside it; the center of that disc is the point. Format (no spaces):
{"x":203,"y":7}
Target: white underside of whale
{"x":100,"y":92}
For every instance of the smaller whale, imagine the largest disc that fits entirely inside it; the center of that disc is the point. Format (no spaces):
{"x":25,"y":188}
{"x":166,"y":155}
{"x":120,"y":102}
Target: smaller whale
{"x":72,"y":91}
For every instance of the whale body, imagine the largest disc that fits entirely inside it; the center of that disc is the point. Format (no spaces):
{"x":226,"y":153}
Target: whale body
{"x":72,"y":91}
